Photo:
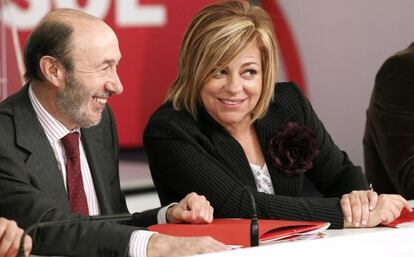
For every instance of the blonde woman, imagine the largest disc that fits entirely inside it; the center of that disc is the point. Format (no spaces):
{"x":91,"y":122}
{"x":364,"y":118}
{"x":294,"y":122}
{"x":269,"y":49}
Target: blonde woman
{"x":226,"y":124}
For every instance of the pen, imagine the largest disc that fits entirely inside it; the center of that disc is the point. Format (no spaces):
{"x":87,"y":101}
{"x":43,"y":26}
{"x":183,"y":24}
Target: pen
{"x":372,"y":190}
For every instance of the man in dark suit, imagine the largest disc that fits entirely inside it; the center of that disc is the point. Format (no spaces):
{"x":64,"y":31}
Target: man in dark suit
{"x":389,"y":130}
{"x":48,"y":173}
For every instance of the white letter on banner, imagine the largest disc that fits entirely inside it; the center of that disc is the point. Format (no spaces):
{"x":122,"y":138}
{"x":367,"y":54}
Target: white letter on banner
{"x":129,"y":13}
{"x":24,"y":19}
{"x":98,"y":8}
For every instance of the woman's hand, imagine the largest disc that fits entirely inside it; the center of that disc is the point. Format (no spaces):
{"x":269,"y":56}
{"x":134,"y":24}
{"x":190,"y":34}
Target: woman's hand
{"x":387,"y":208}
{"x":356,"y":207}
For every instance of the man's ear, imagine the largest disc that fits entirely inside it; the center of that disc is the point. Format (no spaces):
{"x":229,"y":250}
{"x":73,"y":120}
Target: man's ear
{"x":51,"y":70}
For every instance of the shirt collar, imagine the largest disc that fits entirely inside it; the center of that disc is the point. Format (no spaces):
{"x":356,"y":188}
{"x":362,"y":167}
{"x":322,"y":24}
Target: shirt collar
{"x":53,"y":128}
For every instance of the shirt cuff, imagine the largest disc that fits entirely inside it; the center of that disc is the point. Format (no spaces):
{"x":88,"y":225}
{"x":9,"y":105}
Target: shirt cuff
{"x":162,"y":213}
{"x":138,"y":243}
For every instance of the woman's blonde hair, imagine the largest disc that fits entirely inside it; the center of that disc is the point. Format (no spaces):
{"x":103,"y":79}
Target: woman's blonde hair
{"x":215,"y":36}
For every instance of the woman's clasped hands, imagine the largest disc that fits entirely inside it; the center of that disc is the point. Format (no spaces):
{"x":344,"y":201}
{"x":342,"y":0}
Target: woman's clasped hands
{"x":368,"y":209}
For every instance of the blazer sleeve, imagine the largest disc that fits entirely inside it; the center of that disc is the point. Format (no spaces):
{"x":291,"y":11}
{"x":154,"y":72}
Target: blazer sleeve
{"x":180,"y":164}
{"x":390,"y":124}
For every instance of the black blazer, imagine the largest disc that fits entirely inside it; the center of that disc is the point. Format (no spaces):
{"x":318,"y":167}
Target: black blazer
{"x":32,"y":189}
{"x":187,"y":155}
{"x":389,"y":129}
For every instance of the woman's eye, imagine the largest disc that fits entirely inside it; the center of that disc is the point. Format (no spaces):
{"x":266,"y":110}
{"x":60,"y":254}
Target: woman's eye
{"x":220,"y":74}
{"x":249,"y":73}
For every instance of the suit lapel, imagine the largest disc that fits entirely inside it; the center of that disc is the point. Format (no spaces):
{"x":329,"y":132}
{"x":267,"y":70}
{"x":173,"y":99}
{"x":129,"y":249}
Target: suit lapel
{"x":44,"y":169}
{"x":98,"y":164}
{"x":228,"y":150}
{"x":270,"y":124}
{"x":265,"y":129}
{"x":30,"y":136}
{"x":231,"y":153}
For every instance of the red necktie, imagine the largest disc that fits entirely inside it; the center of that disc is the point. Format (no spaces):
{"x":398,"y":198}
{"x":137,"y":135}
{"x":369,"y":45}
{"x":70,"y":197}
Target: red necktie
{"x":74,"y":182}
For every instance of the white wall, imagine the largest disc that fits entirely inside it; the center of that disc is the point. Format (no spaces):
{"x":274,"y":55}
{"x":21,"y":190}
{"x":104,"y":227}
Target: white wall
{"x":142,"y":202}
{"x":342,"y":44}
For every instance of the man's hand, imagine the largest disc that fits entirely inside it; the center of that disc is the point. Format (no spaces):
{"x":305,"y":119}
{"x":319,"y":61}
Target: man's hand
{"x":193,"y":208}
{"x":161,"y":245}
{"x":10,"y":235}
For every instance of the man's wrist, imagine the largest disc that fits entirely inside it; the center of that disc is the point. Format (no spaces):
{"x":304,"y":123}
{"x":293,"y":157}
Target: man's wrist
{"x":138,"y":243}
{"x":168,"y":215}
{"x":158,"y":245}
{"x":164,"y":212}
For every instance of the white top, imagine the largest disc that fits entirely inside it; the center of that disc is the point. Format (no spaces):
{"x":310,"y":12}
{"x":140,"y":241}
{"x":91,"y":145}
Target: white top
{"x":55,"y":131}
{"x":262,"y":179}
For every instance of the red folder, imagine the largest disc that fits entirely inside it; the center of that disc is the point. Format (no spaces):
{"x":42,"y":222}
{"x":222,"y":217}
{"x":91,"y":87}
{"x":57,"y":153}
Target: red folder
{"x":406,"y":218}
{"x":237,"y":231}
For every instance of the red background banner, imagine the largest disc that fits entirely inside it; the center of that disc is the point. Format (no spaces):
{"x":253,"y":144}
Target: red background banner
{"x":149,"y":59}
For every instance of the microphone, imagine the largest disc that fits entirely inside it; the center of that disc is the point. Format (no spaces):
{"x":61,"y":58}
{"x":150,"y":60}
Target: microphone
{"x":55,"y":223}
{"x":254,"y":225}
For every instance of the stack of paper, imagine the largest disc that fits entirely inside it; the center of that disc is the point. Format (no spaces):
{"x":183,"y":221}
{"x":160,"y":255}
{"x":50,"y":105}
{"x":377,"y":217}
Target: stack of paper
{"x":237,"y":231}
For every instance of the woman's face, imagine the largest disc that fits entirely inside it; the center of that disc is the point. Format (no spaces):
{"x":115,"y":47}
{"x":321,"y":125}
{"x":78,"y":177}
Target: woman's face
{"x":231,"y":94}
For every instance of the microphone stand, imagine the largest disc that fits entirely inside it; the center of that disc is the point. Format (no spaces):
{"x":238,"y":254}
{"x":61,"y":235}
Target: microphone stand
{"x":254,"y":225}
{"x":55,"y":223}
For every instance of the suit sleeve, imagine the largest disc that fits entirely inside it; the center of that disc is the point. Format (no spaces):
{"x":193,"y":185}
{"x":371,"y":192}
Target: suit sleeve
{"x":390,"y":124}
{"x":179,"y":165}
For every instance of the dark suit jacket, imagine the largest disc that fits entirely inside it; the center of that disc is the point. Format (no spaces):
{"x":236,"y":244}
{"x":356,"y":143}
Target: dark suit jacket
{"x":32,"y":189}
{"x":389,"y":129}
{"x":187,"y":155}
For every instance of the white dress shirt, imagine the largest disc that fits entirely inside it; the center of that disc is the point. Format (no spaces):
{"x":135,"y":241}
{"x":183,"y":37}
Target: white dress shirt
{"x":262,"y":179}
{"x":55,"y":131}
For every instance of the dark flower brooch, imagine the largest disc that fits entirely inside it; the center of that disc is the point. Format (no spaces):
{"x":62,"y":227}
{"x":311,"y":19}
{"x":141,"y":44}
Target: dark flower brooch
{"x":293,"y":149}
